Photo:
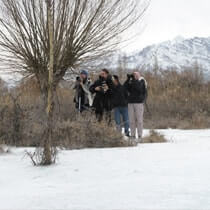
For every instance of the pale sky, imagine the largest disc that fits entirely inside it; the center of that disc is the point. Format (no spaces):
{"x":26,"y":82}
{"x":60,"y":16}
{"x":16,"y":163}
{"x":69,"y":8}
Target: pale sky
{"x":166,"y":19}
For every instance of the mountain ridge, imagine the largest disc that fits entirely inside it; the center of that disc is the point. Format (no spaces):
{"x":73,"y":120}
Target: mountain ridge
{"x":177,"y":53}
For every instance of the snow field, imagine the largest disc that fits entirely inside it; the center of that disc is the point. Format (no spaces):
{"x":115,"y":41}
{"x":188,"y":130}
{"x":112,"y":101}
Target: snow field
{"x":174,"y":175}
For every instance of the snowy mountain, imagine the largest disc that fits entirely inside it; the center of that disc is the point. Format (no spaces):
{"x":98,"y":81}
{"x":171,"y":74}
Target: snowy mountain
{"x":177,"y":53}
{"x":11,"y":79}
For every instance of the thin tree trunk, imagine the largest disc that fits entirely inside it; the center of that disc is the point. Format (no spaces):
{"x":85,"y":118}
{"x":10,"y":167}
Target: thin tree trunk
{"x":50,"y":99}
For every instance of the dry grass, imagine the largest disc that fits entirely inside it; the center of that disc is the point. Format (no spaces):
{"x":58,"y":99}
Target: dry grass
{"x":178,"y":100}
{"x":154,"y":137}
{"x":71,"y":131}
{"x":86,"y":132}
{"x":1,"y":149}
{"x":175,"y":100}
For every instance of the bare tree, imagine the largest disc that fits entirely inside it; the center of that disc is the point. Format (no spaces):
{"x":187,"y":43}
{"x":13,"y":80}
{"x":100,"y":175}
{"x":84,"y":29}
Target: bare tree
{"x":47,"y":38}
{"x":50,"y":101}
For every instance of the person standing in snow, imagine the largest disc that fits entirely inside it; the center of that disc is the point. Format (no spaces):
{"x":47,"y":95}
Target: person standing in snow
{"x":102,"y":88}
{"x":83,"y":98}
{"x":136,"y":87}
{"x":120,"y":104}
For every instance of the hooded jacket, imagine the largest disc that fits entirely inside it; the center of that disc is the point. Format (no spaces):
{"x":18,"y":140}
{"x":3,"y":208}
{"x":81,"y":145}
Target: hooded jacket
{"x":120,"y":96}
{"x":136,"y":90}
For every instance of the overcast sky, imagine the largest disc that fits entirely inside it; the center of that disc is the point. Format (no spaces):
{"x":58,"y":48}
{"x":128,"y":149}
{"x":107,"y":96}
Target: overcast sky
{"x":166,"y":19}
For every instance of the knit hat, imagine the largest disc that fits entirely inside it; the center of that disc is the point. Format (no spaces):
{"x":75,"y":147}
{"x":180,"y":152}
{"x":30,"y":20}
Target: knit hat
{"x":84,"y":72}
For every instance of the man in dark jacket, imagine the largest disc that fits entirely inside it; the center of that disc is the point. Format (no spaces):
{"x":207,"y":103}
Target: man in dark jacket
{"x":102,"y":88}
{"x":136,"y":87}
{"x":120,"y":104}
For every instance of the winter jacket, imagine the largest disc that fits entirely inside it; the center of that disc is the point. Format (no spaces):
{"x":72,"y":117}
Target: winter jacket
{"x":120,"y":96}
{"x":82,"y":94}
{"x":103,"y":99}
{"x":136,"y":90}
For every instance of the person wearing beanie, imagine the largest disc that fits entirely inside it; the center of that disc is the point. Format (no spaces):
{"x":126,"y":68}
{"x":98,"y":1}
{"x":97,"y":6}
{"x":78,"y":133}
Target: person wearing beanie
{"x":84,"y":72}
{"x":120,"y":104}
{"x":83,"y":98}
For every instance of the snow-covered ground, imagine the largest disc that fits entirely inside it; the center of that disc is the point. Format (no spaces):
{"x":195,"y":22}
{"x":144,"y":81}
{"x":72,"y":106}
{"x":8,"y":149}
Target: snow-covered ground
{"x":174,"y":175}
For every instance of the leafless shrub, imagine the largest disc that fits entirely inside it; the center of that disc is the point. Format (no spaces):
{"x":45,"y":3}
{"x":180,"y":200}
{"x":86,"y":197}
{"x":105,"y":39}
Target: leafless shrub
{"x":4,"y":149}
{"x":86,"y":132}
{"x":154,"y":137}
{"x":177,"y":100}
{"x":185,"y":108}
{"x":199,"y":120}
{"x":38,"y":156}
{"x":1,"y":149}
{"x":11,"y":114}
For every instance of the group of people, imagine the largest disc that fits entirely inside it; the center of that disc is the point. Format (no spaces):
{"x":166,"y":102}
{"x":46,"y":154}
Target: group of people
{"x":107,"y":94}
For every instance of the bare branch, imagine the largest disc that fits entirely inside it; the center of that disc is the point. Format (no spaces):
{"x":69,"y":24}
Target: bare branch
{"x":83,"y":30}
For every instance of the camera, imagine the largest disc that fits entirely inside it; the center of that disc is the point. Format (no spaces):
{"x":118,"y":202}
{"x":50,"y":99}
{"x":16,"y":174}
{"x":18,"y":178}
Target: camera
{"x":130,"y":76}
{"x":78,"y":79}
{"x":103,"y":83}
{"x":103,"y":86}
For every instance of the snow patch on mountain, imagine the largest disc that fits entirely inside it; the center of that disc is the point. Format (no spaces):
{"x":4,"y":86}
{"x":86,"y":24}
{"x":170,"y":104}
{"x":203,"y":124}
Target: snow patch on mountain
{"x":177,"y":53}
{"x":10,"y":78}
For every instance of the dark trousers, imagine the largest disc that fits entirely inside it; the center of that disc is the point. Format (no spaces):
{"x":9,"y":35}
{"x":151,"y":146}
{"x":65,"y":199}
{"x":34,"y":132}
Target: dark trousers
{"x":106,"y":115}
